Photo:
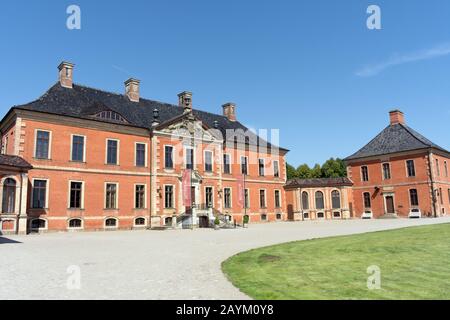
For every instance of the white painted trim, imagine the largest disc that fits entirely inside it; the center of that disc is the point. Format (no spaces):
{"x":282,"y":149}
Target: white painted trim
{"x":275,"y":197}
{"x":246,"y":164}
{"x":265,"y":198}
{"x":213,"y":197}
{"x":212,"y":160}
{"x":75,"y":228}
{"x":382,"y":171}
{"x":116,"y":197}
{"x":38,"y":229}
{"x":278,"y":166}
{"x":140,"y":226}
{"x":47,"y":189}
{"x":231,"y":198}
{"x":194,"y":164}
{"x":108,"y":227}
{"x":49,"y":144}
{"x":414,"y":165}
{"x":229,"y":163}
{"x":164,"y":156}
{"x":145,"y":154}
{"x":82,"y":194}
{"x":173,"y":196}
{"x":106,"y":152}
{"x":84,"y":147}
{"x":264,"y":167}
{"x":145,"y":196}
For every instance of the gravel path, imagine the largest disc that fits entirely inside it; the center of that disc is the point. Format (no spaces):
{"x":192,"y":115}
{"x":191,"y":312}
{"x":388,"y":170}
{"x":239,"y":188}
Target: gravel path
{"x":178,"y":264}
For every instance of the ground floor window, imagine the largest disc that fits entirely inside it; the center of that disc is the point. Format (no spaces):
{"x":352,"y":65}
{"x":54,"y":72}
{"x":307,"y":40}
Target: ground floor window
{"x":75,"y":223}
{"x":139,"y":222}
{"x":38,"y":224}
{"x":9,"y":196}
{"x":305,"y":215}
{"x":278,"y":216}
{"x":168,"y":221}
{"x":111,"y":223}
{"x":320,"y":215}
{"x":264,"y":217}
{"x":336,"y":214}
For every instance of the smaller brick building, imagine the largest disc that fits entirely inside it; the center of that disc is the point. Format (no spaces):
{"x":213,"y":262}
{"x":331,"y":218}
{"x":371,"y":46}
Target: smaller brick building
{"x":400,"y":171}
{"x":318,"y":198}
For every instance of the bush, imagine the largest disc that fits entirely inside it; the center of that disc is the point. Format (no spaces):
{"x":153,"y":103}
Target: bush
{"x":246,"y":219}
{"x":217,"y":221}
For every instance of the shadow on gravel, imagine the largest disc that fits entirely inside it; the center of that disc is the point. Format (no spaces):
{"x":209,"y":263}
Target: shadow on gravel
{"x":4,"y":240}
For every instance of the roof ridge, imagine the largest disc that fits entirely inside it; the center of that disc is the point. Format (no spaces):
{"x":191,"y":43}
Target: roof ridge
{"x":408,"y":129}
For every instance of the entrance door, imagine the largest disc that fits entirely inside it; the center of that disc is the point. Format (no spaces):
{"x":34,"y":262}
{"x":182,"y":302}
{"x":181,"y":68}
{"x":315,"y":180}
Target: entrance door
{"x":390,"y":209}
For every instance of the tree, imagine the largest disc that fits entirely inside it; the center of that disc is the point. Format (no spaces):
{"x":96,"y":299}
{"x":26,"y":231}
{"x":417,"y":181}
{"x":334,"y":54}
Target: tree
{"x":291,"y":172}
{"x":334,"y":168}
{"x":304,"y":171}
{"x":316,"y":171}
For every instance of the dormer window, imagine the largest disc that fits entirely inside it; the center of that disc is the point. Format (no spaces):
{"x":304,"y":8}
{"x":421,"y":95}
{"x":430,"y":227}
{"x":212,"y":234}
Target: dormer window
{"x":110,"y":115}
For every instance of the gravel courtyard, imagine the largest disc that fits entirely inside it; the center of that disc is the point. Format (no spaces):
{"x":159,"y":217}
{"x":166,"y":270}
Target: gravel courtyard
{"x":178,"y":264}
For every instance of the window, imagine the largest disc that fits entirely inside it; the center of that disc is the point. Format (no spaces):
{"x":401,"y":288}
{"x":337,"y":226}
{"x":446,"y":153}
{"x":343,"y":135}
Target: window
{"x":261,"y":167}
{"x":39,"y":194}
{"x":227,"y":198}
{"x":367,"y":200}
{"x":78,"y":148}
{"x":111,"y":196}
{"x":277,"y":199}
{"x":140,"y":154}
{"x":446,"y":169}
{"x":208,"y":161}
{"x":438,"y":170}
{"x":37,"y":224}
{"x":264,"y":217}
{"x":441,"y":196}
{"x":42,"y":145}
{"x":413,"y":197}
{"x":320,"y":215}
{"x":111,"y":223}
{"x":262,"y":198}
{"x":449,"y":195}
{"x":411,"y":170}
{"x":244,"y":165}
{"x":226,"y":164}
{"x":279,"y":216}
{"x":111,"y":152}
{"x":305,"y":200}
{"x":386,"y":171}
{"x":75,"y":195}
{"x":364,"y":173}
{"x":139,"y":222}
{"x":168,"y":197}
{"x":276,"y":169}
{"x":139,"y":202}
{"x":190,"y":158}
{"x":75,"y":223}
{"x":246,"y":198}
{"x":209,"y":197}
{"x":110,"y":115}
{"x":336,"y":199}
{"x":168,"y":157}
{"x":336,"y":214}
{"x":9,"y":196}
{"x":319,"y":200}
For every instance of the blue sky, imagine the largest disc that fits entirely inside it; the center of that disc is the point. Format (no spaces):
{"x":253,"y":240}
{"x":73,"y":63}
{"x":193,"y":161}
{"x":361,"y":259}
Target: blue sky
{"x":310,"y":68}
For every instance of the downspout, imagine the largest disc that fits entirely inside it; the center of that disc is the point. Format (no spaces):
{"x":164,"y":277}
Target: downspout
{"x":433,"y":196}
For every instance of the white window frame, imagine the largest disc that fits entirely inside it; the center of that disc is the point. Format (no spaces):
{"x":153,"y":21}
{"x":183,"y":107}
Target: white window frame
{"x":82,"y":195}
{"x":231,"y":198}
{"x":265,"y":198}
{"x":194,"y":166}
{"x":118,"y":152}
{"x":382,"y":171}
{"x":173,"y":196}
{"x":50,"y":138}
{"x":164,"y":157}
{"x":145,"y":154}
{"x":229,"y":163}
{"x":264,"y":167}
{"x":39,"y":229}
{"x":117,"y":195}
{"x":278,"y":166}
{"x":212,"y":160}
{"x":246,"y":164}
{"x":406,"y":168}
{"x":84,"y":146}
{"x":362,"y":175}
{"x":249,"y":203}
{"x":111,"y":228}
{"x":47,"y":188}
{"x":137,"y":225}
{"x":75,"y":228}
{"x":275,"y":199}
{"x":212,"y":199}
{"x":145,"y":196}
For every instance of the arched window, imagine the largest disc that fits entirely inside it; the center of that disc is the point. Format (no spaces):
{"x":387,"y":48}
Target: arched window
{"x":110,"y":223}
{"x":336,"y":199}
{"x":320,"y":204}
{"x":9,"y":196}
{"x":37,"y":224}
{"x":110,"y":115}
{"x":139,"y":222}
{"x":305,"y":200}
{"x":75,"y":223}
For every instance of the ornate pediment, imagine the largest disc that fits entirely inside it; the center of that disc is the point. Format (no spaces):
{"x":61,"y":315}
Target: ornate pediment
{"x":189,"y":127}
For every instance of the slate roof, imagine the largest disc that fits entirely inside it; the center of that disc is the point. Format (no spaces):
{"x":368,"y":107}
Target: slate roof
{"x":318,"y":183}
{"x":84,"y":102}
{"x":14,"y":161}
{"x":393,"y":139}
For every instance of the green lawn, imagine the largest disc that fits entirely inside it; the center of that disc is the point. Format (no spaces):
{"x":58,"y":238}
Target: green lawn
{"x":414,"y":263}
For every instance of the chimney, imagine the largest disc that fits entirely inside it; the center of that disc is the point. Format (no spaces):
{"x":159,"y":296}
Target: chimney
{"x":185,"y":100}
{"x":396,"y":117}
{"x":229,"y":111}
{"x":132,"y":89}
{"x":66,"y":74}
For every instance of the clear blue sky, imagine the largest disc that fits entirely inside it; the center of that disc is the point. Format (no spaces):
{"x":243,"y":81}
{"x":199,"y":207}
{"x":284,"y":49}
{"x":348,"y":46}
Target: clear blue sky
{"x":309,"y":68}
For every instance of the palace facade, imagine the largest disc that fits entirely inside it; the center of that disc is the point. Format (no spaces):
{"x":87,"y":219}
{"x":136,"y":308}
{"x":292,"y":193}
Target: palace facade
{"x":96,"y":160}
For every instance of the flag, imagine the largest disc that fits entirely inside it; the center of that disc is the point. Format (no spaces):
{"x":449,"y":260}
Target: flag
{"x":186,"y":185}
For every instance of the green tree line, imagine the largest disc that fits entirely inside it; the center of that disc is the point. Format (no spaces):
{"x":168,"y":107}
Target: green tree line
{"x":332,"y":168}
